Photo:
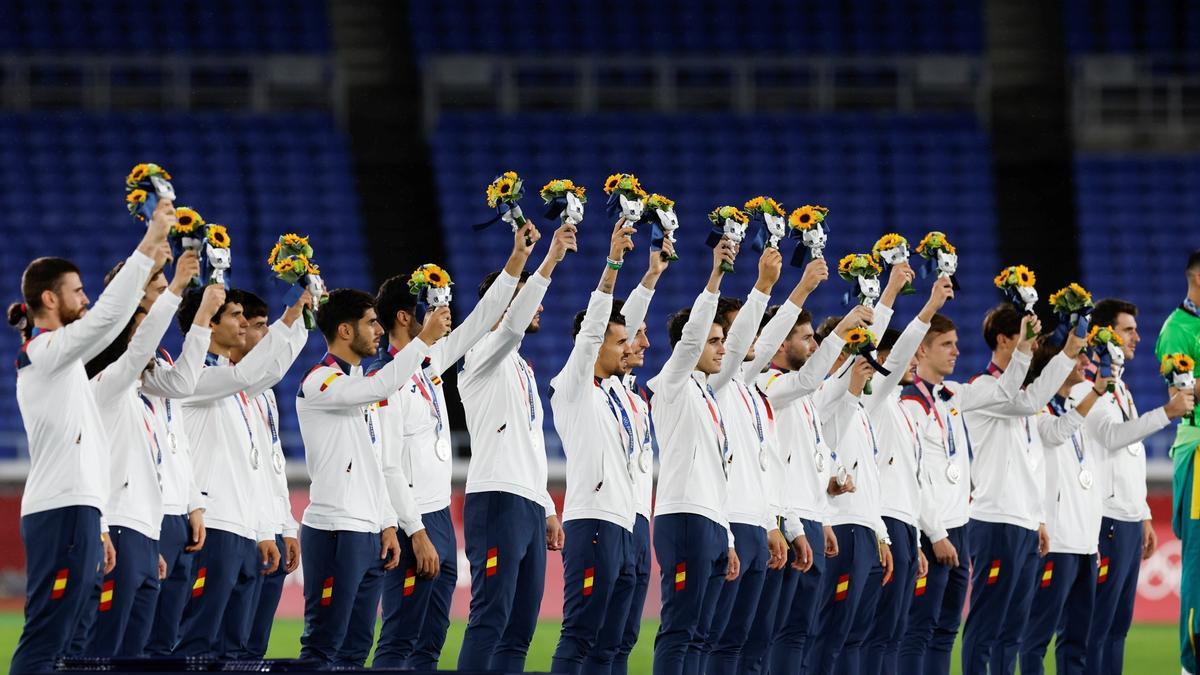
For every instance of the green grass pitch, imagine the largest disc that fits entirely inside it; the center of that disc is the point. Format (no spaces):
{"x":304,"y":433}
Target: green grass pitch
{"x":1150,"y":649}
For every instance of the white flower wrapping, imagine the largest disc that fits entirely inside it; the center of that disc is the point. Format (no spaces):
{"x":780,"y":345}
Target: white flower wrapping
{"x":573,"y":214}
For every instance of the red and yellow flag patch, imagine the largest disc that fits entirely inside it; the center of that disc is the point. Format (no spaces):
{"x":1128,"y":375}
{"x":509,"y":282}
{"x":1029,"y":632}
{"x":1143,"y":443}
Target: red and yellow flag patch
{"x":493,"y":562}
{"x":60,"y":584}
{"x":921,"y":582}
{"x":589,"y":580}
{"x":410,"y":581}
{"x":1103,"y":575}
{"x":843,"y":588}
{"x":106,"y":595}
{"x":198,"y":584}
{"x":1048,"y":573}
{"x":993,"y":573}
{"x":327,"y":592}
{"x":329,"y":380}
{"x":680,"y":576}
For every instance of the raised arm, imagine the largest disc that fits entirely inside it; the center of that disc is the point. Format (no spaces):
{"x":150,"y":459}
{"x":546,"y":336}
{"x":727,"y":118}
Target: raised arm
{"x":491,"y":306}
{"x":491,"y":351}
{"x":123,"y":373}
{"x":573,"y":380}
{"x":906,"y":345}
{"x":270,"y":357}
{"x":780,"y":325}
{"x":686,"y":352}
{"x":1109,"y":428}
{"x":330,"y":389}
{"x":179,"y":380}
{"x":637,"y":305}
{"x":985,"y":393}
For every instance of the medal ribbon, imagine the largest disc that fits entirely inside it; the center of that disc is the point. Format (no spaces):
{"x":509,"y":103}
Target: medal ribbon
{"x":526,"y":387}
{"x":752,"y":406}
{"x":430,"y":396}
{"x":718,"y":422}
{"x":614,"y":404}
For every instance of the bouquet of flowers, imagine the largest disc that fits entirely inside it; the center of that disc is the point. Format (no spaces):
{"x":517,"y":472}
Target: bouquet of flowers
{"x":1071,"y":305}
{"x":626,"y":198}
{"x":940,"y":256}
{"x":1178,"y":370}
{"x":861,"y":269}
{"x":807,"y":224}
{"x":291,"y":261}
{"x":1016,"y":282}
{"x":189,"y":233}
{"x":1105,"y":346}
{"x":144,"y":186}
{"x":564,"y":200}
{"x":503,"y":194}
{"x":891,"y":250}
{"x":861,"y":342}
{"x":728,"y":222}
{"x":660,"y":212}
{"x":771,"y":217}
{"x":431,"y":284}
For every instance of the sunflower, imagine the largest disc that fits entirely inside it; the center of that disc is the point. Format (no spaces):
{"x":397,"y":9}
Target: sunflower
{"x":435,"y":276}
{"x":491,"y":195}
{"x":806,"y":217}
{"x":312,"y":268}
{"x":1100,"y":335}
{"x":138,"y":174}
{"x":299,"y":265}
{"x":504,"y":187}
{"x":282,"y":266}
{"x":659,"y":202}
{"x":511,"y":174}
{"x":274,"y":254}
{"x":580,"y":192}
{"x":756,"y":205}
{"x":888,"y":242}
{"x":188,"y":219}
{"x":1025,"y":276}
{"x":218,"y":236}
{"x":136,"y":197}
{"x":845,"y":263}
{"x":294,"y":240}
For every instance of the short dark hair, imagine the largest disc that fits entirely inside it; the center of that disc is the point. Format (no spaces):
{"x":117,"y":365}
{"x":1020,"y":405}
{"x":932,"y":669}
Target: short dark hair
{"x":112,"y":274}
{"x":393,"y":296}
{"x":115,"y":349}
{"x":727,"y":304}
{"x":1193,"y":263}
{"x":615,"y":316}
{"x":191,"y":304}
{"x":491,"y":279}
{"x":1046,"y":349}
{"x":939,"y":325}
{"x":252,"y":305}
{"x":345,"y":305}
{"x":1001,"y":320}
{"x":678,"y":320}
{"x":1106,"y":311}
{"x":888,"y":341}
{"x":827,"y":327}
{"x":804,"y":317}
{"x":43,"y":274}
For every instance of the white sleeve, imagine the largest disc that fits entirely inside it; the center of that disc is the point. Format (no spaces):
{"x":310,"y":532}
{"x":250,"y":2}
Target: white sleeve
{"x":740,"y":339}
{"x":477,"y":324}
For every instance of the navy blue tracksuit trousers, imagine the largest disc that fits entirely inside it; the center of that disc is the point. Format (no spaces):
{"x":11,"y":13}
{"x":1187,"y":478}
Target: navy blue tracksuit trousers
{"x":882,"y":650}
{"x":1062,"y":607}
{"x":416,"y":611}
{"x":223,"y":576}
{"x":265,"y":601}
{"x":506,"y":594}
{"x":737,"y":604}
{"x":641,"y":584}
{"x":693,"y":556}
{"x":63,"y":556}
{"x":797,"y":616}
{"x":343,"y":577}
{"x":128,"y":597}
{"x":936,"y":610}
{"x":1116,"y":590}
{"x":843,"y":596}
{"x":176,"y":589}
{"x":1004,"y":564}
{"x":597,"y":556}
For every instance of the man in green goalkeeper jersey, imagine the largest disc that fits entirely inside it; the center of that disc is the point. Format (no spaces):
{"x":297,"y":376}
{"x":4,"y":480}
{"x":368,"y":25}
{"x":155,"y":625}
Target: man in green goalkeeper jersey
{"x":1181,"y":334}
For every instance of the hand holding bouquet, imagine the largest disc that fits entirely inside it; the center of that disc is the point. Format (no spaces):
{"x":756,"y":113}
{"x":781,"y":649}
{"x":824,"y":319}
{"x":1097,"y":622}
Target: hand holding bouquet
{"x":1016,"y":283}
{"x":807,"y":224}
{"x":861,"y":269}
{"x":291,"y":261}
{"x":728,"y":222}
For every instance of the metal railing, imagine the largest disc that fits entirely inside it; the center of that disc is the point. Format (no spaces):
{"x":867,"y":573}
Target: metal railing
{"x":267,"y":83}
{"x":587,"y":84}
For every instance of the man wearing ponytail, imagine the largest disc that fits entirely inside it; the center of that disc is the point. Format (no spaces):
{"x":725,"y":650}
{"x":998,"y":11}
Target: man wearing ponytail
{"x":61,"y":524}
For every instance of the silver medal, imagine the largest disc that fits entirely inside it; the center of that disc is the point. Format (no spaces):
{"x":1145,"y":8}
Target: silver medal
{"x":442,"y":449}
{"x":172,"y":442}
{"x":819,"y":457}
{"x":762,"y":458}
{"x":953,"y":473}
{"x":1085,"y":479}
{"x":277,"y":461}
{"x":645,"y":460}
{"x":842,"y":476}
{"x":254,"y":456}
